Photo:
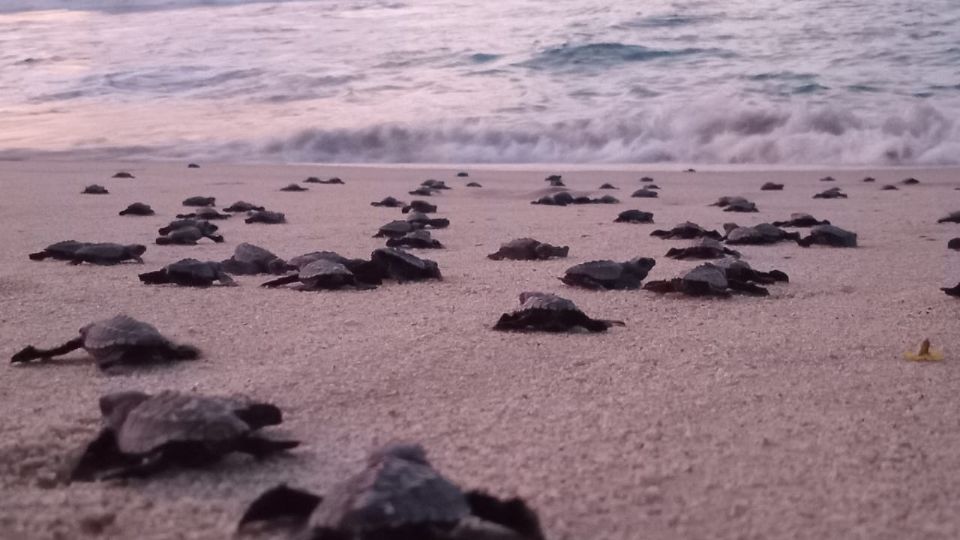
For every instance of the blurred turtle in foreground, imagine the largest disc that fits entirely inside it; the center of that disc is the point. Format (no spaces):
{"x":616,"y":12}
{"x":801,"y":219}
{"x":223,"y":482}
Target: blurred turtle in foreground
{"x":143,"y":434}
{"x":397,"y":496}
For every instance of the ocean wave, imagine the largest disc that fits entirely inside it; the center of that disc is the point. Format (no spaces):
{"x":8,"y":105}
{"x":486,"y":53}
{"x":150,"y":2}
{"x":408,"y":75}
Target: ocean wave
{"x":609,"y":54}
{"x":705,"y":133}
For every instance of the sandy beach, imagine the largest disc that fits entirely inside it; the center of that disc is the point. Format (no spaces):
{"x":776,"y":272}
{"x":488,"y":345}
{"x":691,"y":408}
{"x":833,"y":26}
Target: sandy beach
{"x":790,"y":416}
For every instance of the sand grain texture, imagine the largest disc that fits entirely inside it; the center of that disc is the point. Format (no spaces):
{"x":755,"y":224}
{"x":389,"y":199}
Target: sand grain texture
{"x":792,"y":416}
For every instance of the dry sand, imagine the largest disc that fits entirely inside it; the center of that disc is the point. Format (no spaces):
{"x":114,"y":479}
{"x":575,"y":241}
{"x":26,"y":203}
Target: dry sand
{"x":793,"y":416}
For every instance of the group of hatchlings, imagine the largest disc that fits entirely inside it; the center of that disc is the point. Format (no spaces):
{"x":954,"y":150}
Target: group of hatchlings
{"x":398,"y":494}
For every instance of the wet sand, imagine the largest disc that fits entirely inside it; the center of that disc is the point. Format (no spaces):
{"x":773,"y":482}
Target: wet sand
{"x":792,"y":416}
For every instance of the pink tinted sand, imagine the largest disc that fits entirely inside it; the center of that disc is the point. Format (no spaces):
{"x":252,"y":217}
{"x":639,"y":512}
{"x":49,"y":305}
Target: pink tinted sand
{"x":793,"y":416}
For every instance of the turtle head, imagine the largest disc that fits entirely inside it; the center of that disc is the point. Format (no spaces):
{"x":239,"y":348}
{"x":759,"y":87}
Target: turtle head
{"x":136,"y":250}
{"x":116,"y":406}
{"x":405,"y":450}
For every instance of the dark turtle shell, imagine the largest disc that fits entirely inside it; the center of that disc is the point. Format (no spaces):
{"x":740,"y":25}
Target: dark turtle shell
{"x":388,"y":202}
{"x":243,"y":206}
{"x":528,"y":249}
{"x":95,"y":189}
{"x":704,"y":248}
{"x":764,"y":233}
{"x":952,"y":217}
{"x":397,"y":264}
{"x":293,"y":187}
{"x":434,"y":184}
{"x":188,"y":273}
{"x":108,"y":253}
{"x":473,"y":184}
{"x":205,"y":213}
{"x":645,"y":193}
{"x":687,"y":231}
{"x":249,"y":259}
{"x":829,"y":235}
{"x":545,"y":312}
{"x":137,"y":209}
{"x":200,"y":201}
{"x":419,"y":239}
{"x":266,"y":216}
{"x":420,"y":206}
{"x":634,"y":216}
{"x":800,"y":220}
{"x":832,"y":193}
{"x":771,"y":186}
{"x":422,"y":192}
{"x":606,"y":185}
{"x":605,"y":274}
{"x":60,"y":250}
{"x":123,"y":174}
{"x":205,"y":227}
{"x":396,"y":229}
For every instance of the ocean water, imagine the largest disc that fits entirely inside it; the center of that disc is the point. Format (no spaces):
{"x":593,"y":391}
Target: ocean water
{"x":809,"y":82}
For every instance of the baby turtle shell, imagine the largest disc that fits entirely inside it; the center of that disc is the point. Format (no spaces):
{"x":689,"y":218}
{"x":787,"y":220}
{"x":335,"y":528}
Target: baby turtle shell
{"x":609,"y":275}
{"x":320,"y":274}
{"x":562,"y":198}
{"x":248,"y":260}
{"x":137,"y":209}
{"x":422,"y":192}
{"x":434,"y":184}
{"x":889,"y":187}
{"x":543,"y":312}
{"x":954,"y":243}
{"x":192,"y":166}
{"x":705,"y":248}
{"x":869,"y":179}
{"x":114,"y":341}
{"x":419,"y":206}
{"x":329,"y":181}
{"x":123,"y":174}
{"x":763,"y":233}
{"x":399,"y":496}
{"x":185,"y":236}
{"x":188,"y":273}
{"x":293,"y":187}
{"x":473,"y":184}
{"x":829,"y":235}
{"x":771,"y":186}
{"x":828,"y":179}
{"x":462,"y":174}
{"x":421,"y":220}
{"x":645,"y":193}
{"x":388,"y":202}
{"x":200,"y":201}
{"x":243,"y":206}
{"x":800,"y":220}
{"x":106,"y":254}
{"x":266,"y":216}
{"x":528,"y":249}
{"x":910,"y":181}
{"x":95,"y":189}
{"x":395,"y":229}
{"x":646,"y":179}
{"x":205,"y":227}
{"x":832,"y":193}
{"x":205,"y":213}
{"x":397,"y":264}
{"x":952,"y":217}
{"x":687,"y":231}
{"x":634,"y":216}
{"x":418,"y":239}
{"x":607,"y":186}
{"x":144,"y":434}
{"x":62,"y":251}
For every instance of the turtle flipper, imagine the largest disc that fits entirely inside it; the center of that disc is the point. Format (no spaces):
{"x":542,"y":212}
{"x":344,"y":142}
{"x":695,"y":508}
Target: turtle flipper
{"x":39,"y":256}
{"x":225,"y":279}
{"x":157,"y":277}
{"x":261,"y":447}
{"x":101,"y":455}
{"x":513,"y":514}
{"x":32,"y":353}
{"x":281,"y":281}
{"x":280,"y":503}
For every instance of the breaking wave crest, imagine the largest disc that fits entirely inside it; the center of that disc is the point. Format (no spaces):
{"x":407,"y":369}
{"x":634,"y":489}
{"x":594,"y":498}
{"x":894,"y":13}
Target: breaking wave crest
{"x":704,"y":134}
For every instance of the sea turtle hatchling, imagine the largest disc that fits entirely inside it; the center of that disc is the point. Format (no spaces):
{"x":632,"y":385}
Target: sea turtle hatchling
{"x":761,"y":234}
{"x":419,"y":239}
{"x":634,"y":216}
{"x":704,"y":248}
{"x":434,"y":184}
{"x":205,"y":227}
{"x":800,"y":219}
{"x":200,"y":201}
{"x":123,"y":174}
{"x":771,"y":186}
{"x":248,"y":260}
{"x":952,"y":217}
{"x":94,"y":253}
{"x":910,"y":181}
{"x":397,"y":496}
{"x":832,"y":193}
{"x":419,"y":206}
{"x":397,"y":264}
{"x":474,"y":185}
{"x":544,"y":312}
{"x":137,"y":209}
{"x":330,"y":181}
{"x":189,"y":273}
{"x":609,"y":275}
{"x":143,"y":434}
{"x":562,"y":198}
{"x":185,"y":236}
{"x":645,"y":193}
{"x":95,"y":189}
{"x":205,"y":213}
{"x":422,"y":192}
{"x":686,"y":231}
{"x":388,"y":202}
{"x":889,"y":187}
{"x":607,"y":185}
{"x":528,"y":249}
{"x":722,"y":278}
{"x":293,"y":187}
{"x":266,"y":216}
{"x":829,"y":235}
{"x":422,"y":220}
{"x":735,"y":204}
{"x":115,"y":341}
{"x":954,"y":243}
{"x":243,"y":206}
{"x":320,"y":274}
{"x":395,"y":229}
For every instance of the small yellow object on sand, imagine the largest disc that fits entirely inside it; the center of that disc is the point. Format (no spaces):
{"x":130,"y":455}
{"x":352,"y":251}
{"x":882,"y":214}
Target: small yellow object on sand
{"x":926,"y":354}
